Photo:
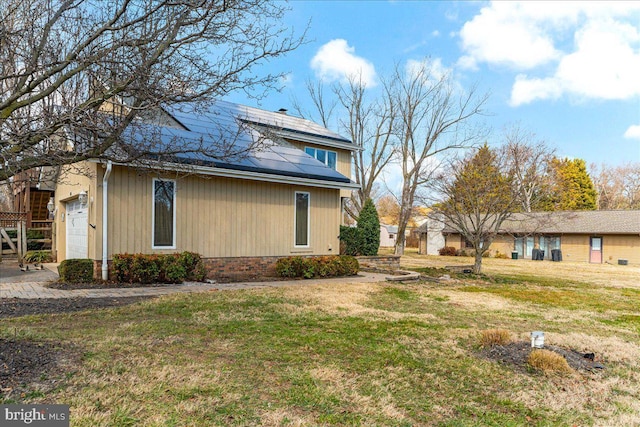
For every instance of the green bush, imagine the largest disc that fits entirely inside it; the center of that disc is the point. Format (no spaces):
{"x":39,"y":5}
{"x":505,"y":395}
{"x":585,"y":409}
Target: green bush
{"x":364,"y":239}
{"x":170,"y":268}
{"x":193,"y":265}
{"x":322,"y":266}
{"x":32,"y":235}
{"x":351,"y":240}
{"x":38,"y":256}
{"x":76,"y":270}
{"x":369,"y":224}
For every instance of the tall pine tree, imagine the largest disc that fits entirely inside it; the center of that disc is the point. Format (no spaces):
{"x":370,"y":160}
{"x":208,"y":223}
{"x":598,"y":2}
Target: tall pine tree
{"x":572,"y":188}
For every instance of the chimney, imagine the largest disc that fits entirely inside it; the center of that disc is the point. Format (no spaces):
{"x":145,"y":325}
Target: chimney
{"x":283,"y":111}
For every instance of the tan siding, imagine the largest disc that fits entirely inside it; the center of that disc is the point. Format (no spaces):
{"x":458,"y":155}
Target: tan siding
{"x":575,"y":247}
{"x":502,"y":245}
{"x":220,"y":217}
{"x":73,"y":180}
{"x":344,"y":156}
{"x":621,"y":247}
{"x":453,"y":240}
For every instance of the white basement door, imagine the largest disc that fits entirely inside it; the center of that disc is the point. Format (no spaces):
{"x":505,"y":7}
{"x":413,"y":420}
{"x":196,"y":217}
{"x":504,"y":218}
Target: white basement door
{"x":77,"y":225}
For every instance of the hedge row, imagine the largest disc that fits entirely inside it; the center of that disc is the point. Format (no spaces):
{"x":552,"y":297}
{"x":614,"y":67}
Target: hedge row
{"x":324,"y":266}
{"x":170,"y":268}
{"x":76,"y":270}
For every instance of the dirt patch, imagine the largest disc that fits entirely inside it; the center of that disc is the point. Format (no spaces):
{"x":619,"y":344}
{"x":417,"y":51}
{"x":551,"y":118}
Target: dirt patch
{"x":515,"y":354}
{"x":31,"y":368}
{"x":25,"y":307}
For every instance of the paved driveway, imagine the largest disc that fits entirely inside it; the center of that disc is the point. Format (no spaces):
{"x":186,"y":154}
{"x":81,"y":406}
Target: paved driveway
{"x":10,"y":273}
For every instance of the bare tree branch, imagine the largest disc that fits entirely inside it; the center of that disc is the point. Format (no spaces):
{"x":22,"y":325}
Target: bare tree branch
{"x":94,"y":67}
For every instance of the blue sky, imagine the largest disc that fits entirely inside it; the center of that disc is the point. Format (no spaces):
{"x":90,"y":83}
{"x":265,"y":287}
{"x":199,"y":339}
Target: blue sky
{"x":567,"y":71}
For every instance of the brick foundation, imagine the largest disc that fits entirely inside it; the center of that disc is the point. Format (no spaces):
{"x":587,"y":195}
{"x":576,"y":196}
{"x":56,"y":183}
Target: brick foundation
{"x":97,"y":269}
{"x":240,"y":268}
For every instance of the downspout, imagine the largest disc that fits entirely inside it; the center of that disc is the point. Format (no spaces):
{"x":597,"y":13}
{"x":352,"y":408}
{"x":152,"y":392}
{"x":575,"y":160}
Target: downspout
{"x":105,"y":216}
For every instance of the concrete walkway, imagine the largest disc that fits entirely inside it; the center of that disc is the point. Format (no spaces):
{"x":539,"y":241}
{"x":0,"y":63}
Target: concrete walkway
{"x":10,"y":288}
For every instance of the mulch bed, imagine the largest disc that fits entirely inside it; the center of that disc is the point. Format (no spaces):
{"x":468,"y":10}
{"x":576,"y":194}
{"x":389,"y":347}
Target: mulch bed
{"x":515,"y":355}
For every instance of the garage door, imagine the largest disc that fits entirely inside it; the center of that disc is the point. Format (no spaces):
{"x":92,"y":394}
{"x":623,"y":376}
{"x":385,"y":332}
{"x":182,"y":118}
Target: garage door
{"x":77,"y":225}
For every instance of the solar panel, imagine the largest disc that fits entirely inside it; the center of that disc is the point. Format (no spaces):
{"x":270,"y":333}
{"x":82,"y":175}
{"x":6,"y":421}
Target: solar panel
{"x":210,"y":137}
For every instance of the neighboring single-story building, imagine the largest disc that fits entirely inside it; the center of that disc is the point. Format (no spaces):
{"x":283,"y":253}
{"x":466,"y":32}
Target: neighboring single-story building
{"x":388,"y":235}
{"x":583,"y":236}
{"x":241,"y":213}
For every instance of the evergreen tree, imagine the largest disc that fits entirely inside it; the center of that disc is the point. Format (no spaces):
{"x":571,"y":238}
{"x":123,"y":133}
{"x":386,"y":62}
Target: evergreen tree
{"x":369,"y":226}
{"x":572,"y":188}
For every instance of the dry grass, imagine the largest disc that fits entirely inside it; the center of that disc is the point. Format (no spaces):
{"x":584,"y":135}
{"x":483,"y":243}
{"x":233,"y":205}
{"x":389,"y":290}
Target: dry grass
{"x":349,"y":354}
{"x":612,"y":275}
{"x":548,"y":362}
{"x":491,"y":337}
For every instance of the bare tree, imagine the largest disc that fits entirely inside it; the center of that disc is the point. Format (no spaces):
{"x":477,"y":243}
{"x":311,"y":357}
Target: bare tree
{"x":526,"y":160}
{"x":617,"y":187}
{"x":477,"y":199}
{"x":90,"y":68}
{"x":368,"y":123}
{"x":433,"y":117}
{"x":370,"y":126}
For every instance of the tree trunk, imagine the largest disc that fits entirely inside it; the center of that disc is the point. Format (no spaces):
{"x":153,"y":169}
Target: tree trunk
{"x":477,"y":266}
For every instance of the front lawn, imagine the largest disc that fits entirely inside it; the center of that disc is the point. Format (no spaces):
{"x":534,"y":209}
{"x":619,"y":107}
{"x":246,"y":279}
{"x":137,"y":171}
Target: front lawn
{"x":354,"y":354}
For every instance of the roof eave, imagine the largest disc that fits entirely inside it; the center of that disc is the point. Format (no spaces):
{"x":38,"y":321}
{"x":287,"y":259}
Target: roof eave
{"x":248,"y":175}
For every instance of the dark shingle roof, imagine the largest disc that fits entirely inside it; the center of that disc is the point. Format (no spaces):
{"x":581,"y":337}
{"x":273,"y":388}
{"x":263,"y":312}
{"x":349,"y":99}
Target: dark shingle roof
{"x":205,"y":134}
{"x":576,"y":222}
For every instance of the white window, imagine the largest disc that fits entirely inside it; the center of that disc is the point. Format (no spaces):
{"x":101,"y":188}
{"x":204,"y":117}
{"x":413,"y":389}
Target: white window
{"x":327,"y":157}
{"x":164,"y":214}
{"x":301,"y":219}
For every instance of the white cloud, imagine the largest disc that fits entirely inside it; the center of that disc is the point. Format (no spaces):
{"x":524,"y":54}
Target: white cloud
{"x":503,"y":34}
{"x":633,"y":132}
{"x":286,"y":80}
{"x":336,"y":60}
{"x":588,"y":50}
{"x":433,"y":68}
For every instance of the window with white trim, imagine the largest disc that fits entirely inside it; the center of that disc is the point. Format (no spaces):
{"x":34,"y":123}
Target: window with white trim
{"x":329,"y":158}
{"x":164,"y":214}
{"x":302,"y":215}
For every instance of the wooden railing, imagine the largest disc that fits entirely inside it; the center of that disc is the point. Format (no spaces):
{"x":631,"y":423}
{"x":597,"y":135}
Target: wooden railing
{"x":15,"y":223}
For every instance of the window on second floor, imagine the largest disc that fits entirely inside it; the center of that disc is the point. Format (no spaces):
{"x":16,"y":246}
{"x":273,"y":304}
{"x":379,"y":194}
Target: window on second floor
{"x":329,"y":158}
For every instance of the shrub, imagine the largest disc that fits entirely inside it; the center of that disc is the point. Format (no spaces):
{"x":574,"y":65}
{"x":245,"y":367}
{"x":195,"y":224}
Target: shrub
{"x":34,"y":235}
{"x":325,"y":266}
{"x":170,"y":268}
{"x":491,"y":337}
{"x":193,"y":266}
{"x":351,"y":240}
{"x":369,"y":224}
{"x":500,"y":255}
{"x":38,"y":256}
{"x":76,"y":270}
{"x":364,"y":239}
{"x":548,"y":361}
{"x":447,"y":251}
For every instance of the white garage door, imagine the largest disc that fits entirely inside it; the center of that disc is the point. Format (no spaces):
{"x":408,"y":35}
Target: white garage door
{"x":77,"y":225}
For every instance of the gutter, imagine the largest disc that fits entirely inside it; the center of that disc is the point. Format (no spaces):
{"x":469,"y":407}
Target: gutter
{"x":240,"y":174}
{"x":105,"y":199}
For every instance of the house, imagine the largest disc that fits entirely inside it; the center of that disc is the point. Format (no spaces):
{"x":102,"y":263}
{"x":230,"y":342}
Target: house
{"x":241,"y":212}
{"x":430,"y":237}
{"x":388,"y":235}
{"x":582,"y":236}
